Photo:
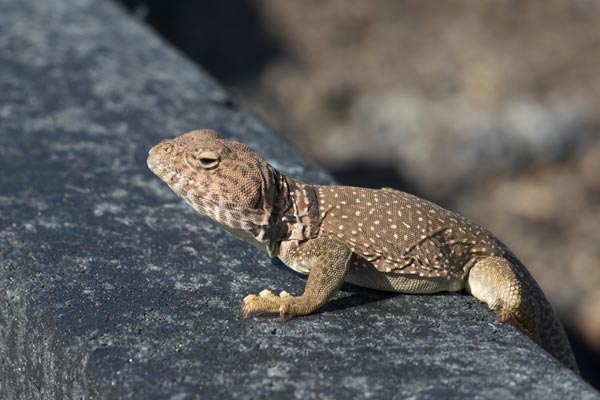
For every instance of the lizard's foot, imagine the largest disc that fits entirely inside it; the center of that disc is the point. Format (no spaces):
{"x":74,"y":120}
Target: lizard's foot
{"x":284,"y":304}
{"x":266,"y":301}
{"x":506,"y":316}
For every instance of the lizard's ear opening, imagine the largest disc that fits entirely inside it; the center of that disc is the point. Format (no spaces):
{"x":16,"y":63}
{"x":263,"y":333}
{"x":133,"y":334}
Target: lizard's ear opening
{"x":206,"y":159}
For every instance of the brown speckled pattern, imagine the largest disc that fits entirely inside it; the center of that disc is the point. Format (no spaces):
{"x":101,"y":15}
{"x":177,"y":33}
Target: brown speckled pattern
{"x":400,"y":233}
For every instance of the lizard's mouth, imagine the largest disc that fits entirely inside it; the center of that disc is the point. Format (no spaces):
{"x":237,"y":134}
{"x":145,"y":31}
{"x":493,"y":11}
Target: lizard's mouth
{"x":168,"y":175}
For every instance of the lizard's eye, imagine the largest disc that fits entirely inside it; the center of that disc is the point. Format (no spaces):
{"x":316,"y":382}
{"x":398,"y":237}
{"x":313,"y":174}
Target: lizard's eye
{"x":206,"y":159}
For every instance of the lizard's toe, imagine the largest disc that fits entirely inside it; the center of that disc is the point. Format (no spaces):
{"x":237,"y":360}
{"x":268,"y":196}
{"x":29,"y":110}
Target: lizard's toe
{"x":245,"y":311}
{"x":248,"y":298}
{"x":245,"y":306}
{"x":285,"y":302}
{"x":283,"y":311}
{"x":266,"y":293}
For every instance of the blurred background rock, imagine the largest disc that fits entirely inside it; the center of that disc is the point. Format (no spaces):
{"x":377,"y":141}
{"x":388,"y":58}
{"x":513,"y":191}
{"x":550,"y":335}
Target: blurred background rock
{"x":490,"y":108}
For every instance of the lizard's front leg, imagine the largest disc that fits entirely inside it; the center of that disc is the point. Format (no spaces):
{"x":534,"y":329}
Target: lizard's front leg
{"x":327,"y":260}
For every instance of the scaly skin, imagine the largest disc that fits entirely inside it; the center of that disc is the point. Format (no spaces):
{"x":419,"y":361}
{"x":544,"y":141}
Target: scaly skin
{"x":380,"y":239}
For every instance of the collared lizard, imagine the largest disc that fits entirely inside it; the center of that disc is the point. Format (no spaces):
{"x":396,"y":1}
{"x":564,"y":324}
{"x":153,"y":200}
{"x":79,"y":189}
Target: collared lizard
{"x":380,"y":239}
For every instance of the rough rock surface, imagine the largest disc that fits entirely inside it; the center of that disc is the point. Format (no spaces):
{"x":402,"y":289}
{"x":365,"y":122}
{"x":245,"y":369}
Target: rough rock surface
{"x":111,"y":287}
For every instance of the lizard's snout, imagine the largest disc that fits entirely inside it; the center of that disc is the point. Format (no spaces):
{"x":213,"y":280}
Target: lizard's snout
{"x":156,"y":155}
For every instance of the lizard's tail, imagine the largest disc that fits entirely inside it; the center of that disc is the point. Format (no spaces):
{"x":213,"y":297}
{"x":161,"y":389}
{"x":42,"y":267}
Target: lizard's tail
{"x":508,"y":289}
{"x":552,"y":334}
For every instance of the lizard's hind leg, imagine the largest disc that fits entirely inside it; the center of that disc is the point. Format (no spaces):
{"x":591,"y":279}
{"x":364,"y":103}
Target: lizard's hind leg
{"x":508,"y":289}
{"x":494,"y":281}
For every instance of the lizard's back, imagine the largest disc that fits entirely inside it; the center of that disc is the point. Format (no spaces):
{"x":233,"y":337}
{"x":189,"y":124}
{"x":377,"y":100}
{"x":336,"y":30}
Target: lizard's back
{"x":394,"y":232}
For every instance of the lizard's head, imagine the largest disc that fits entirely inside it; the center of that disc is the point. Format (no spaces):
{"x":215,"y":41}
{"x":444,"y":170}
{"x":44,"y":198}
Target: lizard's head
{"x":222,"y":179}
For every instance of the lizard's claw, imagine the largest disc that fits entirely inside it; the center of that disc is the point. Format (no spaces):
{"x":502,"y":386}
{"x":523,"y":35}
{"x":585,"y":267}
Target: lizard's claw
{"x":246,"y":310}
{"x":284,"y":307}
{"x":283,"y":311}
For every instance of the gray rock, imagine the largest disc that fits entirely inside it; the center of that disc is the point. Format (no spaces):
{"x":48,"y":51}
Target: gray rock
{"x":111,"y":287}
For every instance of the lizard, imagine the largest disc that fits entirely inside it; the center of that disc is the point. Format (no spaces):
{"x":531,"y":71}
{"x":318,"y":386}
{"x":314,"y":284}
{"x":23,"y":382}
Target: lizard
{"x":382,"y":239}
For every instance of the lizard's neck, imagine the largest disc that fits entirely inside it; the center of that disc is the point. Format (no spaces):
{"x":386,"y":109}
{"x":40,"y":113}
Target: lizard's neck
{"x":292,"y":211}
{"x":301,"y":215}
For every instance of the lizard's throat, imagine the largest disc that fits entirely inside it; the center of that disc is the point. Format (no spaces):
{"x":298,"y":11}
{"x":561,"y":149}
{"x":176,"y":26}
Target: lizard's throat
{"x":250,"y":225}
